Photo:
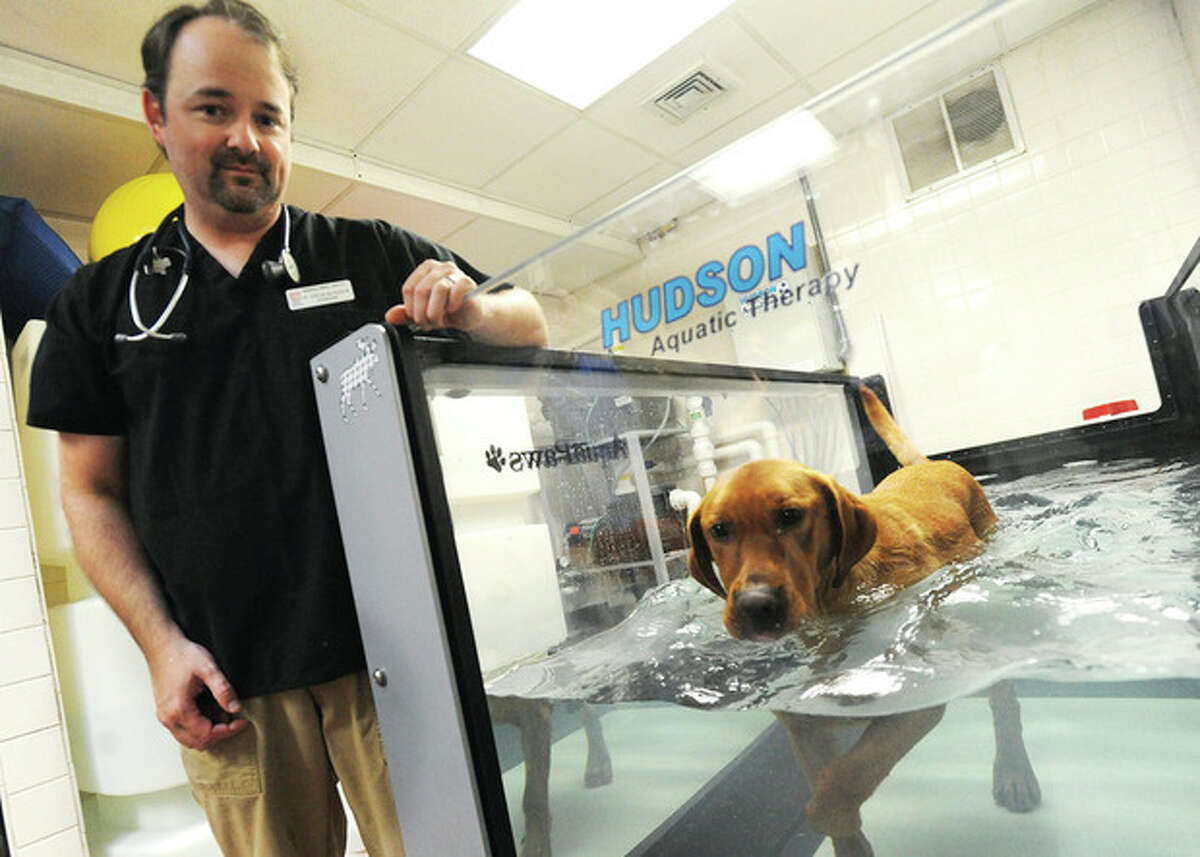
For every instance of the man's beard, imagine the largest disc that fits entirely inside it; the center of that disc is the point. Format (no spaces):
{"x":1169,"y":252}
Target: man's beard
{"x":226,"y":190}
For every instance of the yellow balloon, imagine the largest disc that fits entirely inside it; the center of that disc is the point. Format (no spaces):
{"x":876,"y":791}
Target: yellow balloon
{"x":131,"y":211}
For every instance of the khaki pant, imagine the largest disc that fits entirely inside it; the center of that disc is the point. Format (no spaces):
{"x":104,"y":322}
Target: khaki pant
{"x":271,"y":790}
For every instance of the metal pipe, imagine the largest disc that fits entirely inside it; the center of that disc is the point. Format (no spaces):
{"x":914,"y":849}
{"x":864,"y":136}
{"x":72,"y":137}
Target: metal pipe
{"x":835,"y":306}
{"x":637,"y":469}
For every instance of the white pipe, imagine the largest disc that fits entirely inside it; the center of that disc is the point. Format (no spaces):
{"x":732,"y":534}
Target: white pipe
{"x":751,"y":449}
{"x":702,"y":447}
{"x":764,"y":430}
{"x":681,"y":500}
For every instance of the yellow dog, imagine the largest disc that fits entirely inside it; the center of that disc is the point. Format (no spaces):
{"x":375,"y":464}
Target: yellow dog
{"x":782,"y":543}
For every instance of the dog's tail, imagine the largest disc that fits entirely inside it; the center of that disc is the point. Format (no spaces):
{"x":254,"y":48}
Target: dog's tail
{"x":903,"y":448}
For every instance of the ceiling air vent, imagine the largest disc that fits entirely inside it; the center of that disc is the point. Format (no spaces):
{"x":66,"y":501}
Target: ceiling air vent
{"x":967,"y":126}
{"x":689,"y":96}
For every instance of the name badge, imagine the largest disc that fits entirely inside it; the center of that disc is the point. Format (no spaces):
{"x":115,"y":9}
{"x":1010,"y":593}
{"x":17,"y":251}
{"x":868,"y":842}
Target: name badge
{"x":322,"y":294}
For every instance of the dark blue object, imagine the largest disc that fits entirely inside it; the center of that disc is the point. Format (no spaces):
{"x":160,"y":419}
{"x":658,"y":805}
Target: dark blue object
{"x":34,"y":264}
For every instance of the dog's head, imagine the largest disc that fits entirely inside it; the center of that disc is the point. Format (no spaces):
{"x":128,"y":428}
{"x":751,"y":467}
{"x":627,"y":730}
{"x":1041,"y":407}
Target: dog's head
{"x":782,"y":539}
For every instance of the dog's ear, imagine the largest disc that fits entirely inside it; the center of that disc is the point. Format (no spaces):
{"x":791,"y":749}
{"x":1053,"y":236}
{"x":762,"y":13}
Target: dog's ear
{"x":700,"y":562}
{"x":852,"y":527}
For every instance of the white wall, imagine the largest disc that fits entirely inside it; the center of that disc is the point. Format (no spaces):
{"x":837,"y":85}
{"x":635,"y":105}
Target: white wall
{"x":1009,"y":301}
{"x":1187,"y":12}
{"x":37,"y":785}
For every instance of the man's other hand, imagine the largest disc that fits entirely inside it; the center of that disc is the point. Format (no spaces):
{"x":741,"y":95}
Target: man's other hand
{"x":185,"y":676}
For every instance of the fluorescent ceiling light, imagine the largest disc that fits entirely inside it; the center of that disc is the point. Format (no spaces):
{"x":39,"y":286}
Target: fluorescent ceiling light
{"x":775,"y":152}
{"x":577,"y":50}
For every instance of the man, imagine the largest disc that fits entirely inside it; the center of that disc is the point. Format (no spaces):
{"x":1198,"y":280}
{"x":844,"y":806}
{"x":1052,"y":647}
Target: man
{"x":193,"y":475}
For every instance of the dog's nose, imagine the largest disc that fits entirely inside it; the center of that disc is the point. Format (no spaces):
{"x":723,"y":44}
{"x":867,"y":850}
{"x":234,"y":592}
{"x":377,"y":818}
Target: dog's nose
{"x":761,"y":608}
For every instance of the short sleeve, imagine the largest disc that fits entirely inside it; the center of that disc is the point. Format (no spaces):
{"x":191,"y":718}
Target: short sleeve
{"x":71,"y":388}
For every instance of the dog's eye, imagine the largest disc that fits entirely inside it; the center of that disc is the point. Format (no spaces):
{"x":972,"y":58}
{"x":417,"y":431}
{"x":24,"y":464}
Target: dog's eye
{"x":720,"y":531}
{"x":789,"y":517}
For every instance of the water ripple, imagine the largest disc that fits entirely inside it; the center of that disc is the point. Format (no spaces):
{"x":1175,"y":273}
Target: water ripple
{"x":1092,"y":575}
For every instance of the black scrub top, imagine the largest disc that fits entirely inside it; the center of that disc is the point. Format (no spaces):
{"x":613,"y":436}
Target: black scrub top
{"x":228,"y":486}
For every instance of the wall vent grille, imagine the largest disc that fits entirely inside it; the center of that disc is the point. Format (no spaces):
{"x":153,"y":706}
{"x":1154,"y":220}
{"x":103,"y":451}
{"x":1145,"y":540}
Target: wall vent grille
{"x":967,"y":126}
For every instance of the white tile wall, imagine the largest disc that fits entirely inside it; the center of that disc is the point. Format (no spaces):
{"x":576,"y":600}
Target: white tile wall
{"x":33,"y":759}
{"x":1187,"y":12}
{"x":23,"y":655}
{"x":28,"y":706}
{"x":38,"y":794}
{"x":16,"y":549}
{"x":1009,"y":301}
{"x":42,"y":811}
{"x":20,"y":603}
{"x":68,"y":843}
{"x":1004,"y":304}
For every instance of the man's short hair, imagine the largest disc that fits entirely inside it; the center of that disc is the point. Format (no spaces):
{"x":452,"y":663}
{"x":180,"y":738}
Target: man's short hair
{"x":160,"y":40}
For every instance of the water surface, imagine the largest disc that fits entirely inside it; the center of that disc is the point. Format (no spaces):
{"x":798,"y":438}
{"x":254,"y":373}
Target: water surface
{"x":1093,"y":574}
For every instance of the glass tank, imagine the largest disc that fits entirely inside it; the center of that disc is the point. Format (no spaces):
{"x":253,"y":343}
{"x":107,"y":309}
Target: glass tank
{"x":991,"y":223}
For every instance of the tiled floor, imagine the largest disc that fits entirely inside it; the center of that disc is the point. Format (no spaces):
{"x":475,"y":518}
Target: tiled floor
{"x":1118,"y":777}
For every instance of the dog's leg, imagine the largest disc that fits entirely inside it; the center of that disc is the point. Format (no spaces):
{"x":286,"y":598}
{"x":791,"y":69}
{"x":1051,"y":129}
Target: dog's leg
{"x":599,"y":765}
{"x":535,"y":743}
{"x":846,"y":781}
{"x":1014,"y":784}
{"x":532,"y":719}
{"x":815,"y":744}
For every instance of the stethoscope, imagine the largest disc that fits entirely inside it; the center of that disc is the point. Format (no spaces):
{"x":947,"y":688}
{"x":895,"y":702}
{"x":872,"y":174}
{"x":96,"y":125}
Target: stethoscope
{"x":160,"y":262}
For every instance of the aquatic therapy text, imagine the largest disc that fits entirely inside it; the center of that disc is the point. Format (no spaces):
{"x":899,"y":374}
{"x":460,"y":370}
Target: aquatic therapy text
{"x":773,"y":297}
{"x":674,"y":299}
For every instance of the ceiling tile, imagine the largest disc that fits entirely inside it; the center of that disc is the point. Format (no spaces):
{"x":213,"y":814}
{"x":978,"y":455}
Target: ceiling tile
{"x":494,"y":246}
{"x":499,"y":246}
{"x":466,"y":125}
{"x":812,"y":35}
{"x":919,"y":78}
{"x":610,"y":201}
{"x":65,"y":160}
{"x":670,"y":206}
{"x":376,"y":64}
{"x":1029,"y":19}
{"x":96,"y":35}
{"x":902,"y":34}
{"x":313,"y":190}
{"x":751,"y":120}
{"x":451,"y":23}
{"x":733,"y":54}
{"x":577,"y":267}
{"x":393,"y":73}
{"x":573,"y":170}
{"x":354,"y":69}
{"x":430,"y":219}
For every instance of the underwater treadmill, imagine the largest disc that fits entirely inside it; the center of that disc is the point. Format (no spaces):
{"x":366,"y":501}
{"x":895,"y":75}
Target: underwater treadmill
{"x":393,"y":410}
{"x":415,"y":425}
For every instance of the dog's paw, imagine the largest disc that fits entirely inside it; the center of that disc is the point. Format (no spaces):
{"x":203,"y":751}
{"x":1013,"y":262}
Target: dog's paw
{"x":535,"y":845}
{"x":598,"y":773}
{"x":854,"y":846}
{"x":1015,"y":786}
